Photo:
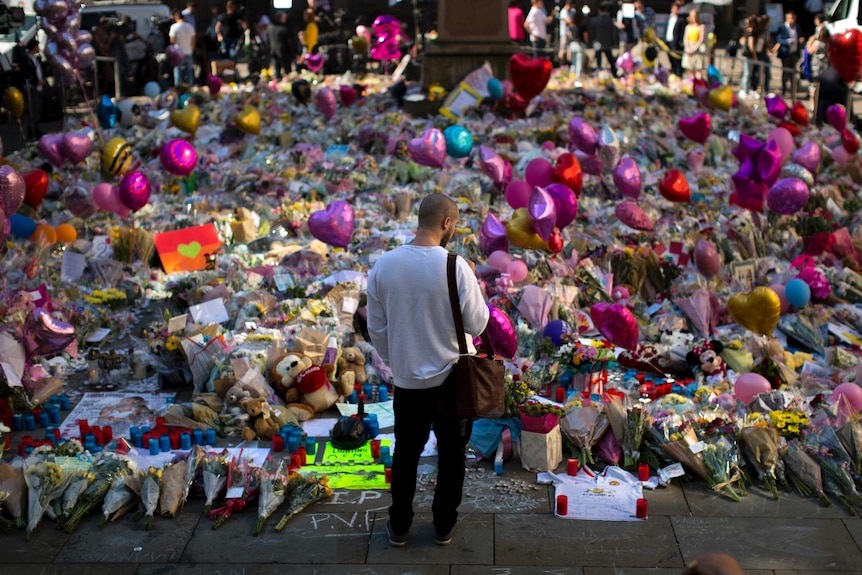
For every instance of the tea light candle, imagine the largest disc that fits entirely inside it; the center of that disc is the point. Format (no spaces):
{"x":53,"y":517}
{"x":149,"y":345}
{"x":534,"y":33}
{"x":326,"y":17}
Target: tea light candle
{"x":561,"y":395}
{"x":295,"y":460}
{"x":154,"y":446}
{"x":165,"y":443}
{"x":186,"y":441}
{"x":310,"y":446}
{"x":29,"y":422}
{"x":572,"y":467}
{"x":303,"y":456}
{"x":562,"y":505}
{"x":292,"y":443}
{"x":198,"y":437}
{"x":64,"y":402}
{"x":375,"y":448}
{"x":643,"y":472}
{"x":277,"y":443}
{"x":18,"y":422}
{"x":388,"y":474}
{"x":382,"y":393}
{"x":641,"y":509}
{"x":108,"y":433}
{"x":211,"y":436}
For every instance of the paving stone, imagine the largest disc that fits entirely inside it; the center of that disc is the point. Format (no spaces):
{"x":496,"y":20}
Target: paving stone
{"x":473,"y":543}
{"x":314,"y":536}
{"x":204,"y":569}
{"x":668,"y":500}
{"x":770,"y":543}
{"x":650,"y":571}
{"x":705,"y":502}
{"x":356,"y":570}
{"x":515,"y":491}
{"x":127,"y":541}
{"x":68,"y":569}
{"x":583,"y":543}
{"x":854,"y":526}
{"x":44,"y":545}
{"x":784,"y":572}
{"x":520,"y":570}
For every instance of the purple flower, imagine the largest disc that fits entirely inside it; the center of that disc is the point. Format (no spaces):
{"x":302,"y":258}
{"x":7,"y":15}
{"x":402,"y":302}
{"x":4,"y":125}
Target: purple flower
{"x":817,"y":281}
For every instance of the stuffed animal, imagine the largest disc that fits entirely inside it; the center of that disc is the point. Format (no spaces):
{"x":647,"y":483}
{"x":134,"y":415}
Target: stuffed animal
{"x":260,"y":421}
{"x":352,"y":359}
{"x":706,"y":357}
{"x":240,"y":390}
{"x":306,"y":387}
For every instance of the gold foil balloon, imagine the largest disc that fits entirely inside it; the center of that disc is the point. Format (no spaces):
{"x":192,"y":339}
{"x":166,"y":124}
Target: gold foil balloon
{"x":520,"y":231}
{"x":757,"y":310}
{"x":248,"y":121}
{"x":117,"y":156}
{"x":187,"y":119}
{"x":721,"y":98}
{"x":14,"y":100}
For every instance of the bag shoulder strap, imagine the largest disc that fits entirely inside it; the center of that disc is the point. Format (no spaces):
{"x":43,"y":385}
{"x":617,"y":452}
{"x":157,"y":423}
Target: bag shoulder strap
{"x":455,"y":303}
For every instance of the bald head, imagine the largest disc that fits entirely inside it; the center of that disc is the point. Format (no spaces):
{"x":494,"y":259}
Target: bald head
{"x":438,"y":216}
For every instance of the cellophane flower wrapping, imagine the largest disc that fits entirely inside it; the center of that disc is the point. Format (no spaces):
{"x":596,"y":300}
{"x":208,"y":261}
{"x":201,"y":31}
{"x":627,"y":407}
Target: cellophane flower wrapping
{"x":78,"y":482}
{"x":45,"y":482}
{"x":804,"y":472}
{"x":12,"y":483}
{"x":242,"y":487}
{"x":173,"y":488}
{"x":119,"y":497}
{"x":215,"y":469}
{"x":104,"y":470}
{"x":151,"y":481}
{"x":822,"y":443}
{"x":273,"y":490}
{"x":303,"y":490}
{"x":583,"y":425}
{"x":762,"y":447}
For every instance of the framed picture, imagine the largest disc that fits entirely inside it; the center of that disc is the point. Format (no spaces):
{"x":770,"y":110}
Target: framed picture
{"x":744,"y":272}
{"x":459,"y":100}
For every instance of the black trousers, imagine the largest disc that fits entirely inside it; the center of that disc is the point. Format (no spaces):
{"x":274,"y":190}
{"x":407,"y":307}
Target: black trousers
{"x":415,"y":413}
{"x":608,"y":53}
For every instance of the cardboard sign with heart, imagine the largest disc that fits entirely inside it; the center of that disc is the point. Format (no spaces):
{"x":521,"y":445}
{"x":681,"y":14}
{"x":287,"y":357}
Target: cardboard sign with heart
{"x":187,"y":249}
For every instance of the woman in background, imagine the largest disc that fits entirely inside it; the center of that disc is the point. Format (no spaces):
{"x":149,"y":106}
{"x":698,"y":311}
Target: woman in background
{"x":516,"y":23}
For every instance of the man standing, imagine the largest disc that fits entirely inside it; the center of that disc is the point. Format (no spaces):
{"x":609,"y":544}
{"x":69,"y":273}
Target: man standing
{"x":183,"y":35}
{"x":604,"y":35}
{"x":281,"y":55}
{"x":786,"y":48}
{"x":673,"y":37}
{"x":411,"y":326}
{"x":189,"y":14}
{"x":32,"y":78}
{"x":536,"y":25}
{"x":228,"y":30}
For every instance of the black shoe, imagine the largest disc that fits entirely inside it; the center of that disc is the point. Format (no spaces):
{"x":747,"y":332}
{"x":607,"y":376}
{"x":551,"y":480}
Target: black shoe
{"x":444,"y":538}
{"x":395,"y":540}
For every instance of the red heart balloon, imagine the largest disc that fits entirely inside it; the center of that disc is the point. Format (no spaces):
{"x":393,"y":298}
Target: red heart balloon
{"x":794,"y":129}
{"x":799,"y":113}
{"x":529,"y":76}
{"x":36,"y":186}
{"x":849,"y":141}
{"x":568,"y":172}
{"x":696,"y":128}
{"x":674,"y":187}
{"x":845,"y":53}
{"x":517,"y":103}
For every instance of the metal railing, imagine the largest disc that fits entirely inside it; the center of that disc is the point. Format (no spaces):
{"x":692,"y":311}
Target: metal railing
{"x":117,"y":83}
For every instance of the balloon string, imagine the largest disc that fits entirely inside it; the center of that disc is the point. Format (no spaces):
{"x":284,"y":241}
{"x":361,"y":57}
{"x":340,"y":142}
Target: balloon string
{"x":90,"y":108}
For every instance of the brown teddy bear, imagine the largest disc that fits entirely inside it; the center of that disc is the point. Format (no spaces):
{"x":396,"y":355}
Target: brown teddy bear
{"x":352,"y":360}
{"x":260,"y":421}
{"x":306,"y":387}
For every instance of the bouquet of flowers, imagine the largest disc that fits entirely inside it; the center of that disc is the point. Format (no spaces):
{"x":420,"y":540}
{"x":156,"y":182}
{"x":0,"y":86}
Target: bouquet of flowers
{"x":104,"y":470}
{"x":517,"y":392}
{"x":304,"y":490}
{"x":789,"y":423}
{"x":45,"y":482}
{"x":677,"y":439}
{"x":804,"y":472}
{"x":242,"y":487}
{"x":822,"y":443}
{"x":272,"y":493}
{"x":629,"y":427}
{"x":720,"y":456}
{"x":215,"y":468}
{"x":583,"y":425}
{"x":150,"y":489}
{"x":173,"y":487}
{"x":78,"y":482}
{"x":850,"y":435}
{"x":762,"y":446}
{"x":12,"y":483}
{"x":540,"y":416}
{"x":119,"y":499}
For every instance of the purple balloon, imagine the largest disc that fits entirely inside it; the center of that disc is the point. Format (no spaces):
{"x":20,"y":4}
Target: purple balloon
{"x":748,"y":147}
{"x":492,"y":236}
{"x":79,"y":200}
{"x":627,"y":177}
{"x":590,"y":164}
{"x":334,"y":225}
{"x":539,"y":172}
{"x":633,"y":216}
{"x":86,"y":56}
{"x":662,"y":75}
{"x":769,"y":163}
{"x":787,"y":196}
{"x":495,"y":167}
{"x":12,"y":189}
{"x":49,"y":146}
{"x":46,"y":335}
{"x":135,"y":190}
{"x":582,"y":136}
{"x":749,"y":189}
{"x":429,"y":149}
{"x":543,"y":212}
{"x":314,"y":62}
{"x":174,"y":55}
{"x":836,"y":115}
{"x":501,"y":332}
{"x":76,"y":146}
{"x":324,"y":99}
{"x":808,"y":156}
{"x":566,"y":203}
{"x":178,"y":157}
{"x":83,"y":37}
{"x":555,"y":330}
{"x":776,"y":106}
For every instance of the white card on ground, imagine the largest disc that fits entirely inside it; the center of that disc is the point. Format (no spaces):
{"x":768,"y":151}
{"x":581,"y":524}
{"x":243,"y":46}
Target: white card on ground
{"x":212,"y":311}
{"x":319,"y":427}
{"x":73,"y":266}
{"x":99,"y":335}
{"x":177,"y":323}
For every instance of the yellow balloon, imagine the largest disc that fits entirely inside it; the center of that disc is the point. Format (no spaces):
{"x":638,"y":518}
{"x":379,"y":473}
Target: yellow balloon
{"x":721,"y":98}
{"x":187,"y":119}
{"x":44,"y":234}
{"x":520,"y":231}
{"x":117,"y":156}
{"x":249,"y":120}
{"x":14,"y":102}
{"x":757,"y":310}
{"x":649,"y":35}
{"x":66,"y":233}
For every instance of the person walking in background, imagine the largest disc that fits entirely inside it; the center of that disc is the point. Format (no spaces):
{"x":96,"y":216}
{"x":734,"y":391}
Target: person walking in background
{"x":603,"y":34}
{"x":182,"y":35}
{"x":746,"y":51}
{"x":281,"y":55}
{"x":577,"y":45}
{"x":567,"y":23}
{"x":228,"y":30}
{"x":818,"y":56}
{"x":536,"y":25}
{"x":763,"y":45}
{"x":421,"y":360}
{"x":694,"y":44}
{"x":33,"y":84}
{"x":673,"y":37}
{"x":516,"y":23}
{"x":787,"y":43}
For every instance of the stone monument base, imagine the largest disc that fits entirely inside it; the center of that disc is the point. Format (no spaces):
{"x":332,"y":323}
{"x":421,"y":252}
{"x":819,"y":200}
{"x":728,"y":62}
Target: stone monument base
{"x":447,"y":63}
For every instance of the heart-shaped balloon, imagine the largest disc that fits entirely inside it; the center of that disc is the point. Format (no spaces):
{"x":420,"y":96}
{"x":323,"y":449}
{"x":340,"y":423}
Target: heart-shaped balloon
{"x":501,"y":332}
{"x":12,"y":190}
{"x":248,"y":120}
{"x":706,"y":258}
{"x":76,"y":146}
{"x":49,"y":147}
{"x":107,"y":197}
{"x":135,"y":190}
{"x":799,"y":113}
{"x":214,"y":83}
{"x":429,"y":149}
{"x":106,"y":112}
{"x":348,"y":95}
{"x":314,"y":62}
{"x":178,"y":157}
{"x":721,"y":98}
{"x":787,"y":196}
{"x":850,"y":141}
{"x":520,"y":230}
{"x":747,"y":147}
{"x":674,"y":186}
{"x":79,"y":200}
{"x":609,"y":148}
{"x":492,"y":236}
{"x":35,"y":186}
{"x":324,"y":99}
{"x":836,"y":115}
{"x":46,"y":335}
{"x":495,"y":167}
{"x":591,"y":165}
{"x":334,"y":225}
{"x":566,"y":202}
{"x":543,"y":212}
{"x":808,"y":156}
{"x":696,"y":128}
{"x":757,"y":310}
{"x":616,"y":323}
{"x":633,"y":216}
{"x":776,"y":106}
{"x":845,"y":54}
{"x":627,"y":178}
{"x":769,"y":163}
{"x":187,"y":119}
{"x":794,"y":129}
{"x":567,"y":171}
{"x":582,"y":136}
{"x":529,"y":76}
{"x":695,"y":159}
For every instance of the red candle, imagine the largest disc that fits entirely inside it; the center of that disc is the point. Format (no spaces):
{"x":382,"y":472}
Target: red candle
{"x":561,"y":395}
{"x":108,"y":432}
{"x":100,"y":438}
{"x":83,"y":427}
{"x":295,"y":460}
{"x":388,"y":472}
{"x":303,"y":457}
{"x":572,"y":467}
{"x":562,"y":505}
{"x":160,"y":421}
{"x":277,"y":443}
{"x":643,"y":472}
{"x":175,"y":440}
{"x":641,"y":509}
{"x":375,"y":448}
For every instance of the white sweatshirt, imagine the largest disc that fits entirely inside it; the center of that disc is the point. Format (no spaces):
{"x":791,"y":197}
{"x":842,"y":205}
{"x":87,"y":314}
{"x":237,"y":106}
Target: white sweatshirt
{"x":410,"y":318}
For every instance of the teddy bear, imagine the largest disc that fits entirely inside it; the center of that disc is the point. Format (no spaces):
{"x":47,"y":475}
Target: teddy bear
{"x":352,"y":359}
{"x":260,"y":421}
{"x":306,"y":387}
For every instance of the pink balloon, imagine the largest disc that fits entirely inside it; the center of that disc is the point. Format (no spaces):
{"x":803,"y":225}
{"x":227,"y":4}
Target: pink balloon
{"x":782,"y":297}
{"x":49,"y":147}
{"x":808,"y":156}
{"x":836,"y":115}
{"x":784,"y":139}
{"x":492,"y":236}
{"x":848,"y":397}
{"x":499,"y":260}
{"x":314,"y":62}
{"x":787,"y":196}
{"x":429,"y":149}
{"x":633,"y":216}
{"x":539,"y":172}
{"x":706,"y":258}
{"x":749,"y":385}
{"x":12,"y":190}
{"x":76,"y":146}
{"x":627,"y":177}
{"x":626,"y":61}
{"x":387,"y":30}
{"x":334,"y":225}
{"x":324,"y":99}
{"x":107,"y":197}
{"x":495,"y":167}
{"x":348,"y":94}
{"x":517,"y":270}
{"x":501,"y":332}
{"x":178,"y":157}
{"x":840,"y":155}
{"x":566,"y":202}
{"x":590,"y":164}
{"x":616,"y":323}
{"x":135,"y":191}
{"x":769,"y":163}
{"x":543,"y":212}
{"x":517,"y":193}
{"x":582,"y":136}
